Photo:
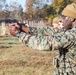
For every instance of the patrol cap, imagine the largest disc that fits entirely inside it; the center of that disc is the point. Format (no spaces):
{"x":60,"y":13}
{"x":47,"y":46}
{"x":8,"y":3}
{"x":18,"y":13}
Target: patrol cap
{"x":70,"y":10}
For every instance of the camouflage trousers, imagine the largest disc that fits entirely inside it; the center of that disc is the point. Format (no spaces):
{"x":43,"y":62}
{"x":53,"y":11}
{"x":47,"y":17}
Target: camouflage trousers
{"x":64,"y":66}
{"x":60,"y":71}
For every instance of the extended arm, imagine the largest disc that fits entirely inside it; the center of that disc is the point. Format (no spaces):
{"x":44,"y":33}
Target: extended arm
{"x":48,"y":42}
{"x":37,"y":31}
{"x":43,"y":30}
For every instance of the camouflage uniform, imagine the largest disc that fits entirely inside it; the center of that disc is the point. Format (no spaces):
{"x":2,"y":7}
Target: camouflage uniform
{"x":46,"y":30}
{"x":64,"y":43}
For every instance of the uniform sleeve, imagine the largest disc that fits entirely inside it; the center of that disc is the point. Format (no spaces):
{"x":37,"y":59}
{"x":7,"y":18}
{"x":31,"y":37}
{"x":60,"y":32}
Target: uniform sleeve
{"x":35,"y":42}
{"x":33,"y":30}
{"x":49,"y":42}
{"x":43,"y":30}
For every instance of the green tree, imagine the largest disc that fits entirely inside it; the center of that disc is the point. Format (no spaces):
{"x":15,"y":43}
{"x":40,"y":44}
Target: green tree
{"x":59,"y":5}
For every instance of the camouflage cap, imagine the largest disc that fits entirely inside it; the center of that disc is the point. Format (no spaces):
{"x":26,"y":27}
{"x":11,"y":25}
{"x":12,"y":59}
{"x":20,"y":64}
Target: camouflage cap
{"x":70,"y":10}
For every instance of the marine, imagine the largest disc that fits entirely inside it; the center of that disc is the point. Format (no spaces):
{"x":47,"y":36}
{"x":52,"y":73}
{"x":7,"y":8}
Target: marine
{"x":64,"y":43}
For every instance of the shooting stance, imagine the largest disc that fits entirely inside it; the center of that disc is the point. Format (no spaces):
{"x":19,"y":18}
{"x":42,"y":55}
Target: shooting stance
{"x":64,"y":43}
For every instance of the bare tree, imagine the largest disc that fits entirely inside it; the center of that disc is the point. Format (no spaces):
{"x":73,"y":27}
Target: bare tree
{"x":2,"y":4}
{"x":16,"y":10}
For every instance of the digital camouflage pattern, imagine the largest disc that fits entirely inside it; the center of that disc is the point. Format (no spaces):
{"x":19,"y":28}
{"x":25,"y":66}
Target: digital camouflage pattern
{"x":46,"y":30}
{"x":63,"y":42}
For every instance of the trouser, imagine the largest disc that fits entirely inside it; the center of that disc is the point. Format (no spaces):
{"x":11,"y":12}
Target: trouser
{"x":62,"y":68}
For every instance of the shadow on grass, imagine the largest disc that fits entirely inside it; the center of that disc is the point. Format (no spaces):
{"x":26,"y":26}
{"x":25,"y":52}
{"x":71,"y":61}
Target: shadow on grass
{"x":12,"y":43}
{"x":2,"y":47}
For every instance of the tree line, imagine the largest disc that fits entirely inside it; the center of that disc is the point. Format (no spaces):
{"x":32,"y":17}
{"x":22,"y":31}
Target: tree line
{"x":35,"y":9}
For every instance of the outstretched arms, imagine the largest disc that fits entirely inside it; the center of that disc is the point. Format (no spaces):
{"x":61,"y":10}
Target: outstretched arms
{"x":48,"y":42}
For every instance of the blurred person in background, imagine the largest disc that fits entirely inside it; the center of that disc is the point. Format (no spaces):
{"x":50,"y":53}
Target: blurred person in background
{"x":57,"y":22}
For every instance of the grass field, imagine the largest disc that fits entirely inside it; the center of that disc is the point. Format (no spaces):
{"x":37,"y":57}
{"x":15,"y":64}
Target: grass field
{"x":17,"y":59}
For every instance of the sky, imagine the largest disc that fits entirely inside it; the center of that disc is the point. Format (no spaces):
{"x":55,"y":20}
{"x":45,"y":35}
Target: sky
{"x":22,"y":2}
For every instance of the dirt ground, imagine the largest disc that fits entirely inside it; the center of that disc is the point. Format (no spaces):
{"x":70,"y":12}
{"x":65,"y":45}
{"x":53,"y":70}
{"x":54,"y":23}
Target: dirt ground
{"x":17,"y":59}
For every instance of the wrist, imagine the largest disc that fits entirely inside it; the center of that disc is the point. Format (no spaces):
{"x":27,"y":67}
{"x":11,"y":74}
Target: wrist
{"x":25,"y":29}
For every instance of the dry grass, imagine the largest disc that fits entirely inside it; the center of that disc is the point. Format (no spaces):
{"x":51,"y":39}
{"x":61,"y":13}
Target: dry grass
{"x":17,"y":59}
